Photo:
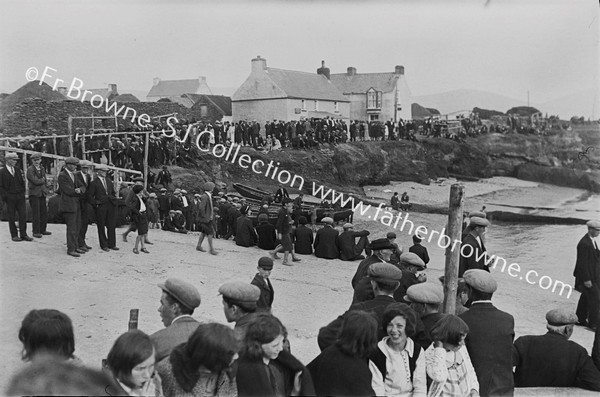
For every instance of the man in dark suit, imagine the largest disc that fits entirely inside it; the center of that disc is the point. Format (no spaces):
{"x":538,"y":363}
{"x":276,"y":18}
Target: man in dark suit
{"x":472,"y":250}
{"x":280,"y":194}
{"x":551,"y":360}
{"x":261,"y":280}
{"x":36,"y":175}
{"x":327,"y":244}
{"x":418,"y":249}
{"x":205,"y":219}
{"x":164,"y":204}
{"x":70,"y":193}
{"x":103,"y":198}
{"x":490,"y":338}
{"x":349,"y":249}
{"x":12,"y":191}
{"x":177,"y":304}
{"x":587,"y":276}
{"x":303,"y":237}
{"x":266,"y":232}
{"x":83,"y":179}
{"x":245,"y":235}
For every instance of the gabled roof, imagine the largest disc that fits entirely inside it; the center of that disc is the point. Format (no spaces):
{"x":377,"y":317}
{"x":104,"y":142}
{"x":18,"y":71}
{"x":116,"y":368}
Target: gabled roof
{"x":305,"y":85}
{"x":360,"y":83}
{"x":105,"y":93}
{"x":175,"y":88}
{"x":125,"y":98}
{"x":223,"y":103}
{"x":32,"y":89}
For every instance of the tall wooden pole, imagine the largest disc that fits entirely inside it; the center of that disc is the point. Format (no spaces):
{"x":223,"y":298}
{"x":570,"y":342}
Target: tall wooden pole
{"x":70,"y":136}
{"x":146,"y":150}
{"x":454,"y":231}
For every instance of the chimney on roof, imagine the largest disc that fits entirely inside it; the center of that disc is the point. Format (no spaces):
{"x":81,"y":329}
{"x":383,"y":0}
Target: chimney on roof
{"x":259,"y":64}
{"x":351,"y":71}
{"x":399,"y":70}
{"x":323,"y":70}
{"x":156,"y":80}
{"x":112,"y":89}
{"x":62,"y":90}
{"x":202,"y":79}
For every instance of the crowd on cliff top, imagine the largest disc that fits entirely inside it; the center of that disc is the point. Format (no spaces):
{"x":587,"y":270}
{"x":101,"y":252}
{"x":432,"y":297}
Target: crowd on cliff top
{"x":393,"y":340}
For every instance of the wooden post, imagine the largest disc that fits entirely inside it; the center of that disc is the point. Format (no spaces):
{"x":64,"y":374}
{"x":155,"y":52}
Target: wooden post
{"x":133,"y":319}
{"x":70,"y":136}
{"x":25,"y":175}
{"x":83,"y":154}
{"x":146,"y":150}
{"x":454,"y":231}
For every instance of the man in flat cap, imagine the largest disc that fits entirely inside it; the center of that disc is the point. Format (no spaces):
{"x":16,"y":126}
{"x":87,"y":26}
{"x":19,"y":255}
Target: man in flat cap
{"x":261,"y":280}
{"x":412,"y":267}
{"x":83,"y":178}
{"x":552,"y":360}
{"x":36,"y":175}
{"x":103,"y":198}
{"x":205,"y":219}
{"x":491,"y":335}
{"x":245,"y":235}
{"x":587,"y":276}
{"x":177,"y":303}
{"x":327,"y":244}
{"x":425,"y":299}
{"x":284,"y":229}
{"x":350,"y":250}
{"x":239,"y":302}
{"x":419,"y":250}
{"x":381,"y":252}
{"x":473,"y":254}
{"x":70,"y":193}
{"x":12,"y":191}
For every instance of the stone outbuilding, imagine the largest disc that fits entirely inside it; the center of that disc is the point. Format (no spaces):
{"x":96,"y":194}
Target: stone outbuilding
{"x":174,"y":89}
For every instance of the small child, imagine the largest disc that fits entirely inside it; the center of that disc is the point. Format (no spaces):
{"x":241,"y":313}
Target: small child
{"x":261,"y":280}
{"x":152,"y":208}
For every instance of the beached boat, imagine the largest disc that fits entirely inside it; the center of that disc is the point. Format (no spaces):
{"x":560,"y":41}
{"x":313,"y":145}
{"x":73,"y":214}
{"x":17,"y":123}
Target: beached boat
{"x":250,"y":192}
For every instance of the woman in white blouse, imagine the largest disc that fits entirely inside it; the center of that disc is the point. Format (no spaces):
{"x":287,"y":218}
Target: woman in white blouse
{"x":398,"y":364}
{"x":448,"y":361}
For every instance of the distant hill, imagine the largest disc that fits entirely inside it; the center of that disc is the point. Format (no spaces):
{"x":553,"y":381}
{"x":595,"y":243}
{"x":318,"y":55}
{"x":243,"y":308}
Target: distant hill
{"x":583,"y":103}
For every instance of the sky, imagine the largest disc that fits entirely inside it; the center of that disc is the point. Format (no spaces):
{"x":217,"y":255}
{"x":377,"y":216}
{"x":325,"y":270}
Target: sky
{"x":549,"y":48}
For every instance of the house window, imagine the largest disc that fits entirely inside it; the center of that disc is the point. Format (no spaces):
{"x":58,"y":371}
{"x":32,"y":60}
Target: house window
{"x":203,"y":111}
{"x":373,"y":99}
{"x":316,"y":105}
{"x":303,"y":104}
{"x":373,"y":117}
{"x":337,"y":107}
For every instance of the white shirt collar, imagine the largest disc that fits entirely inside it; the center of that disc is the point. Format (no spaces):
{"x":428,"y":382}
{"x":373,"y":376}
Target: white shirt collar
{"x":408,"y":348}
{"x":182,"y":316}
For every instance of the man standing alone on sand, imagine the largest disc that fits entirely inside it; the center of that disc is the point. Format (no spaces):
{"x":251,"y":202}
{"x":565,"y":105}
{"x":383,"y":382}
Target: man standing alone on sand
{"x":205,"y":220}
{"x":587,"y":276}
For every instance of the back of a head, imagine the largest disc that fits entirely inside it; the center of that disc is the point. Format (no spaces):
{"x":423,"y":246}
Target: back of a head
{"x":213,"y":346}
{"x":358,"y":337}
{"x":53,"y":376}
{"x":47,"y":331}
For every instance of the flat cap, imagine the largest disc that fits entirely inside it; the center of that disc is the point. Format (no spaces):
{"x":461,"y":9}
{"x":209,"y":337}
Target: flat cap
{"x":477,"y":214}
{"x":390,"y":235}
{"x":263,"y":217}
{"x":381,"y":244}
{"x":480,"y":280}
{"x":153,"y":195}
{"x":265,"y":263}
{"x":36,"y":155}
{"x":240,"y":292}
{"x":197,"y":195}
{"x":100,"y":167}
{"x":412,"y":259}
{"x":208,"y":186}
{"x":177,"y":191}
{"x":594,"y":224}
{"x":183,"y":191}
{"x":348,"y":225}
{"x":236,"y":199}
{"x":11,"y":155}
{"x":183,"y":291}
{"x":72,"y":160}
{"x":328,"y":220}
{"x":425,"y":293}
{"x":381,"y":271}
{"x":477,"y":221}
{"x":222,"y":200}
{"x":560,"y":317}
{"x":178,"y":212}
{"x":162,"y":189}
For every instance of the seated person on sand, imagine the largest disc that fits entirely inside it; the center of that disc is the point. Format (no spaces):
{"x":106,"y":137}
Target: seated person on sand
{"x":349,"y":249}
{"x":395,"y":201}
{"x":327,"y":241}
{"x":405,"y":204}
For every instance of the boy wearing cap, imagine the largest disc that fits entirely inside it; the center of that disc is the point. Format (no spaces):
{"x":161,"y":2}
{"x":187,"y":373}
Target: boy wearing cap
{"x":587,"y":274}
{"x":349,"y":249}
{"x":262,"y":281}
{"x":472,"y":250}
{"x":12,"y":191}
{"x":36,"y":175}
{"x":551,"y":360}
{"x":419,"y":250}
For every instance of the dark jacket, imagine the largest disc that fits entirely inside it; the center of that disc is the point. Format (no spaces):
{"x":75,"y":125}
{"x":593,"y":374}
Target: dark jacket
{"x":245,"y":234}
{"x":476,"y":260}
{"x":252,"y":378}
{"x":587,"y":266}
{"x":552,"y":360}
{"x":98,"y":195}
{"x":327,"y":244}
{"x":336,"y":373}
{"x":11,"y":185}
{"x":37,"y":181}
{"x":283,"y":221}
{"x":420,"y":251}
{"x":363,"y":268}
{"x":265,"y":302}
{"x":347,"y":244}
{"x":267,"y":236}
{"x":69,"y":198}
{"x":164,"y":203}
{"x":489,"y":342}
{"x":303,"y":240}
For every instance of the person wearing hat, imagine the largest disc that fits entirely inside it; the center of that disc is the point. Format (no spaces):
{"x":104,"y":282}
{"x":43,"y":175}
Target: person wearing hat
{"x":395,"y":258}
{"x":12,"y":192}
{"x":383,"y":279}
{"x":412,"y":273}
{"x":284,"y":233}
{"x":491,"y":336}
{"x":472,"y":250}
{"x":405,"y":204}
{"x":552,"y":360}
{"x":245,"y":235}
{"x":224,"y":207}
{"x":262,"y":281}
{"x":205,"y":219}
{"x":171,"y":223}
{"x":36,"y":175}
{"x":187,"y":209}
{"x":103,"y":198}
{"x":280,"y":194}
{"x":232,"y":215}
{"x":266,"y":232}
{"x":587,"y":276}
{"x":419,"y":250}
{"x":381,"y":251}
{"x":425,"y":299}
{"x":152,"y":210}
{"x":327,"y":245}
{"x":70,"y":193}
{"x":350,"y":250}
{"x":178,"y":301}
{"x":239,"y":302}
{"x":164,"y":205}
{"x":83,"y":179}
{"x":303,"y":237}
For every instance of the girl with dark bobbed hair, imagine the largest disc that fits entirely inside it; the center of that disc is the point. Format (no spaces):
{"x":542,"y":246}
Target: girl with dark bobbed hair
{"x":131,"y":362}
{"x":47,"y":331}
{"x":398,"y":363}
{"x":200,"y":366}
{"x":343,"y":368}
{"x":265,"y":368}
